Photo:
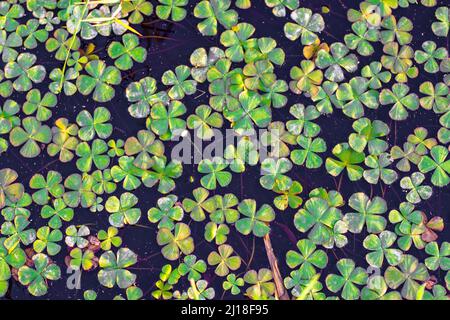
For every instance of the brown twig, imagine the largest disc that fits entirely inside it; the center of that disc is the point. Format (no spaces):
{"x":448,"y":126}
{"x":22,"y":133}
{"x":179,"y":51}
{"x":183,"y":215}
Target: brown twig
{"x":280,"y":289}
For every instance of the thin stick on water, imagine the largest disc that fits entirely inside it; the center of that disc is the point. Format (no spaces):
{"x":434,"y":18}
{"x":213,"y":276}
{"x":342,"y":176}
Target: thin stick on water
{"x":280,"y":289}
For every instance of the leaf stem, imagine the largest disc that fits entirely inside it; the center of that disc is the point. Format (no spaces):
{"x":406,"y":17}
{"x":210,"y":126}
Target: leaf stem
{"x":72,"y":42}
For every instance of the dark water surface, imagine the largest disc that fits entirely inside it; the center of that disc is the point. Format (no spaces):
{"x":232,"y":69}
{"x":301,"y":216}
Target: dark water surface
{"x":169,"y":53}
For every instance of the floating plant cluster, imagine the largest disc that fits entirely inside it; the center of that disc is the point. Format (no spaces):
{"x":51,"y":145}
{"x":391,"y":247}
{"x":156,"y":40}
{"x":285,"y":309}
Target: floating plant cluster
{"x":53,"y":50}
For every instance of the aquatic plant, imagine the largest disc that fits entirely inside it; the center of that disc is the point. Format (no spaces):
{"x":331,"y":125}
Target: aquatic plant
{"x":340,"y":139}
